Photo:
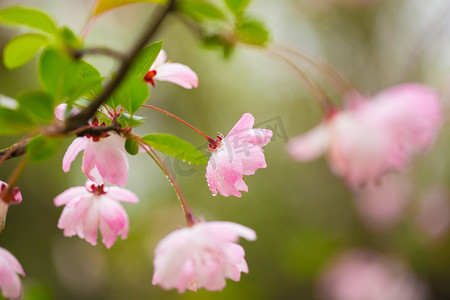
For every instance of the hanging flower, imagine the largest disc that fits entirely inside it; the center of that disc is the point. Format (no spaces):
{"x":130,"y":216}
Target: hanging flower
{"x":93,"y":206}
{"x":239,"y":153}
{"x":176,"y":73}
{"x":13,"y":197}
{"x":203,"y":255}
{"x":10,"y":267}
{"x":370,"y":138}
{"x":104,"y":158}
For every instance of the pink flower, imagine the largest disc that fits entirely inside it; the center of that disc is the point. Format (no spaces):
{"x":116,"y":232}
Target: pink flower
{"x":370,"y":138}
{"x":104,"y":158}
{"x":93,"y":206}
{"x":238,"y":154}
{"x":201,"y":256}
{"x":60,"y":111}
{"x":360,"y":274}
{"x":172,"y":72}
{"x":10,"y":283}
{"x":13,"y":197}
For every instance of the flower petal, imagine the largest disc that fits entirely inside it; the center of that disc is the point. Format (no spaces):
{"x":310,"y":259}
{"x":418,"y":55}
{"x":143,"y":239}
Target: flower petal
{"x":177,"y":73}
{"x":121,"y":194}
{"x":311,"y":145}
{"x":77,"y":145}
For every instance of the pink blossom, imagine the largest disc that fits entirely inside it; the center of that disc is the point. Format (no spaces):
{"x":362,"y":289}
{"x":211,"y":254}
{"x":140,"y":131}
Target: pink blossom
{"x":176,"y":73}
{"x":361,"y":274}
{"x":13,"y":197}
{"x":201,"y":256}
{"x":60,"y":111}
{"x":104,"y":158}
{"x":93,"y":206}
{"x":10,"y":283}
{"x":370,"y":138}
{"x":239,"y":153}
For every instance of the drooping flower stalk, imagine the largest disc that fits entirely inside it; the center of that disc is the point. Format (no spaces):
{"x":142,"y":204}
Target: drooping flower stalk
{"x":315,"y":89}
{"x":190,"y":220}
{"x":210,"y":139}
{"x":340,"y":82}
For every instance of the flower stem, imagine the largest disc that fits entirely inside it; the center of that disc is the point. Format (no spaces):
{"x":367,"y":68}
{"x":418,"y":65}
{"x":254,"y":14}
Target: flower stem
{"x":315,"y":89}
{"x":210,"y":139}
{"x":190,"y":220}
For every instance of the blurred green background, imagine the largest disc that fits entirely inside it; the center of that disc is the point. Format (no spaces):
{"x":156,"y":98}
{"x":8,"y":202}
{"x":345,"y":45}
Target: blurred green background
{"x":304,"y":215}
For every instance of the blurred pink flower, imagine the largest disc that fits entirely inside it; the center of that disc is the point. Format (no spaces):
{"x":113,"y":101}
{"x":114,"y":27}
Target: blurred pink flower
{"x":93,"y":206}
{"x":176,"y":73}
{"x":370,"y":138}
{"x":238,"y":154}
{"x":60,"y":110}
{"x":434,"y":212}
{"x":365,"y":275}
{"x":10,"y":283}
{"x":104,"y":158}
{"x":382,"y":204}
{"x":201,"y":256}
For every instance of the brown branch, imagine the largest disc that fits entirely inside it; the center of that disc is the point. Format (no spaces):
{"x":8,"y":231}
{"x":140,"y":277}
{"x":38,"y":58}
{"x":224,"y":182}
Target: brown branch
{"x":81,"y":119}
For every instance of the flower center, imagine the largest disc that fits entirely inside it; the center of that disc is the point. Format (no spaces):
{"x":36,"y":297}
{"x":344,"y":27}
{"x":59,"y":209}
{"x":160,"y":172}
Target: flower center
{"x":215,"y":144}
{"x":97,"y":189}
{"x":96,"y":138}
{"x":149,"y":77}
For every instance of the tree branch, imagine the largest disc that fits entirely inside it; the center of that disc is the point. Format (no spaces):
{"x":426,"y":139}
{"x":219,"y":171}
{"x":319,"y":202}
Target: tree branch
{"x":81,"y":119}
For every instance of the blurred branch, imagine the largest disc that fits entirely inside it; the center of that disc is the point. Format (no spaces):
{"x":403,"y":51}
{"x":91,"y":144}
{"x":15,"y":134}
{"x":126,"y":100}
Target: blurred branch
{"x":78,"y":54}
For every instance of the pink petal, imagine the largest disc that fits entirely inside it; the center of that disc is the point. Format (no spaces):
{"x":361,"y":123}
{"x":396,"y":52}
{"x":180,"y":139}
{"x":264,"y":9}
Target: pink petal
{"x":242,"y":127}
{"x":177,"y":73}
{"x":12,"y":261}
{"x":113,"y":219}
{"x":311,"y":145}
{"x":90,"y":223}
{"x":111,"y":161}
{"x":121,"y":194}
{"x":259,"y":137}
{"x":60,"y":111}
{"x":11,"y":286}
{"x":77,"y":145}
{"x":70,"y":194}
{"x":160,"y":59}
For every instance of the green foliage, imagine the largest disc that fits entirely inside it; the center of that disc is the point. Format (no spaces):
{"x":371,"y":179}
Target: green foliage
{"x":200,"y":10}
{"x":13,"y":122}
{"x":41,"y":148}
{"x":131,"y":146}
{"x":130,"y":121}
{"x":104,"y":5}
{"x":68,"y":38}
{"x":237,"y":6}
{"x":178,"y":148}
{"x":64,"y":77}
{"x":131,"y":94}
{"x":38,"y":105}
{"x":22,"y":48}
{"x":252,"y":32}
{"x":145,"y":60}
{"x":28,"y":17}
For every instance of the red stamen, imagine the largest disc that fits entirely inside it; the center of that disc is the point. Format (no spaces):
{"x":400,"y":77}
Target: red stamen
{"x":149,"y":77}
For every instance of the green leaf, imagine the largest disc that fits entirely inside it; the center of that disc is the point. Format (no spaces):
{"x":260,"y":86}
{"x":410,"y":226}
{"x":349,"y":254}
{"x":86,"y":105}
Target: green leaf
{"x":131,"y":94}
{"x":29,"y":17}
{"x":58,"y":72}
{"x":104,"y":5}
{"x":89,"y":82}
{"x":252,"y":32}
{"x":22,"y":48}
{"x":131,"y":146}
{"x":200,"y":10}
{"x":38,"y":105}
{"x":69,"y":39}
{"x":173,"y":146}
{"x":13,"y":122}
{"x":237,"y":6}
{"x":41,"y":148}
{"x":145,"y":60}
{"x":130,"y":121}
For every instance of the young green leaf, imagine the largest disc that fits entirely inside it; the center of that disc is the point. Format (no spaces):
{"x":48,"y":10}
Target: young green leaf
{"x":237,"y":6}
{"x":58,"y":72}
{"x":28,"y":17}
{"x":200,"y":10}
{"x":130,"y":121}
{"x":173,"y":146}
{"x":252,"y":32}
{"x":69,"y":39}
{"x":131,"y":94}
{"x":38,"y":105}
{"x":41,"y":148}
{"x":131,"y":146}
{"x":13,"y":122}
{"x":89,"y":82}
{"x":145,"y":60}
{"x":22,"y":48}
{"x":102,"y":6}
